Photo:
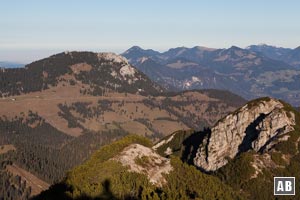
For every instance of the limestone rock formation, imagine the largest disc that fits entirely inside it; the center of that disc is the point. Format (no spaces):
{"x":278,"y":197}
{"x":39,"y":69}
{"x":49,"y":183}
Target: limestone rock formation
{"x":258,"y":126}
{"x":146,"y":161}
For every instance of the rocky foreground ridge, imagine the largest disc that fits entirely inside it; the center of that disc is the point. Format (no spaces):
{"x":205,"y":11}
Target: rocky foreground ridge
{"x":145,"y":160}
{"x":258,"y":126}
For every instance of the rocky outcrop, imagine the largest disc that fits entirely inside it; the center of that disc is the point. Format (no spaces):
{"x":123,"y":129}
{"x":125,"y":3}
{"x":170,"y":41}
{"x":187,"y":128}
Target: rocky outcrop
{"x":146,"y":161}
{"x":258,"y":125}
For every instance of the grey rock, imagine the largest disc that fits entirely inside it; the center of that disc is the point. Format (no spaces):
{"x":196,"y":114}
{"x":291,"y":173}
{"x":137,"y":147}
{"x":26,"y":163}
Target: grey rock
{"x":255,"y":126}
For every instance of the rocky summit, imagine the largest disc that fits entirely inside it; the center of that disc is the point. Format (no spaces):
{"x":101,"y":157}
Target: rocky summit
{"x":258,"y":126}
{"x":145,"y":160}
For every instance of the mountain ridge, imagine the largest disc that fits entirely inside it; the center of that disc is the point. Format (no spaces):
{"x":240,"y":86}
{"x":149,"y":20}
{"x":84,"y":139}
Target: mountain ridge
{"x":247,"y":72}
{"x":288,"y":55}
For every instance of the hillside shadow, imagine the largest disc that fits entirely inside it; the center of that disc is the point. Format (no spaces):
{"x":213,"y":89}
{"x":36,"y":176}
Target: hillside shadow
{"x":59,"y":192}
{"x":192,"y":143}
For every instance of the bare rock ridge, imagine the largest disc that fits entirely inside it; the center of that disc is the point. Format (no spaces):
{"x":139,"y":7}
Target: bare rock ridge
{"x":257,"y":126}
{"x":146,"y":161}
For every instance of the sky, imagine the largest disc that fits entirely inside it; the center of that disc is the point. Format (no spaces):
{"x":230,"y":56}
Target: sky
{"x":33,"y":29}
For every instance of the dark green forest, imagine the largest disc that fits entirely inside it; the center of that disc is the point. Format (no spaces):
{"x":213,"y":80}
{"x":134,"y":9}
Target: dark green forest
{"x":45,"y":151}
{"x":12,"y":187}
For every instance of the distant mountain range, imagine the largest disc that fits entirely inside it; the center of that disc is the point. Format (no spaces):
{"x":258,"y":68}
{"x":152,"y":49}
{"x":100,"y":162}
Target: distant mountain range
{"x":4,"y":64}
{"x":258,"y":70}
{"x":290,"y":56}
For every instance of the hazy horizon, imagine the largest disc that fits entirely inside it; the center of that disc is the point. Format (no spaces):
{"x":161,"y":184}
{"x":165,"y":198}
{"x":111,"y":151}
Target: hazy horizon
{"x":30,"y":55}
{"x":36,"y":29}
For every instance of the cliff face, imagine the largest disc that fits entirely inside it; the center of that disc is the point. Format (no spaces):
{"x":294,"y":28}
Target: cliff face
{"x":258,"y":125}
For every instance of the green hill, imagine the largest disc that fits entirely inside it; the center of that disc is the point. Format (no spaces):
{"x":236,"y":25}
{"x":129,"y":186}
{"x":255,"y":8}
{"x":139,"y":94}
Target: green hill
{"x":103,"y":178}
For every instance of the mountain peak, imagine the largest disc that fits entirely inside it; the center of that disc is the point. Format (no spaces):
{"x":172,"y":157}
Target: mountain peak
{"x":202,"y":48}
{"x":112,"y":57}
{"x":135,"y":53}
{"x":262,"y":46}
{"x":266,"y":45}
{"x":258,"y":126}
{"x":178,"y":48}
{"x":235,"y":48}
{"x":135,"y":48}
{"x":74,"y":57}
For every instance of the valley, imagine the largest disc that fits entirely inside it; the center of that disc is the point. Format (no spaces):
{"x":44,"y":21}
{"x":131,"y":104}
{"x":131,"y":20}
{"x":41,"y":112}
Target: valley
{"x":60,"y":120}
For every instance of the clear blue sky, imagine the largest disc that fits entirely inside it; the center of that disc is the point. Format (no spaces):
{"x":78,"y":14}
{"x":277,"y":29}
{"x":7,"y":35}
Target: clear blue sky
{"x":35,"y":28}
